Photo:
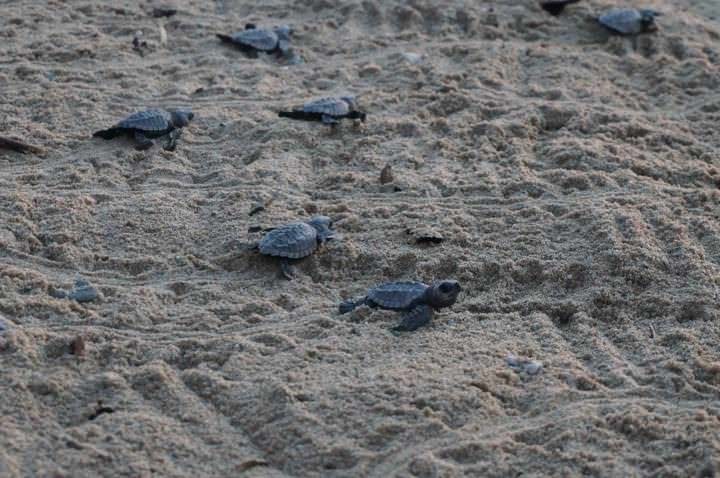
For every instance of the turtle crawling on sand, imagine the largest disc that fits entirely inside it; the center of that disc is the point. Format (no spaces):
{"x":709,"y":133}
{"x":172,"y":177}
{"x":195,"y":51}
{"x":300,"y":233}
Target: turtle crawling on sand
{"x":296,"y":240}
{"x":255,"y":40}
{"x":152,"y":123}
{"x":417,"y":299}
{"x":629,"y":21}
{"x":328,"y":110}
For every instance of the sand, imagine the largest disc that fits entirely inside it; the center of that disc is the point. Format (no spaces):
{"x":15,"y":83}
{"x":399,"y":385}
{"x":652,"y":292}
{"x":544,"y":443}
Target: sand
{"x":573,"y":177}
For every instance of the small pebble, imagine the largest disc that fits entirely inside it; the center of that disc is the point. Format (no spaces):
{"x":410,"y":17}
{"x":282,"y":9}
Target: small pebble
{"x":77,"y":346}
{"x":530,"y":367}
{"x":414,"y":58}
{"x":425,"y":235}
{"x":369,"y":70}
{"x":256,"y":208}
{"x":295,"y":59}
{"x":533,"y":367}
{"x":386,"y":175}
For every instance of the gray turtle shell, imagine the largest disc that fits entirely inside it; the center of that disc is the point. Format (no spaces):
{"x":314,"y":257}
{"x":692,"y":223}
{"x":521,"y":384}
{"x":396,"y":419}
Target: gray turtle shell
{"x":294,"y":240}
{"x":258,"y":38}
{"x":330,"y":106}
{"x":397,"y":295}
{"x":627,"y":21}
{"x":151,"y":121}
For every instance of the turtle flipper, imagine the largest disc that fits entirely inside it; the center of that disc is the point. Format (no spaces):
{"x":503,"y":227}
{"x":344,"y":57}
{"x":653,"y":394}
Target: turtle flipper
{"x":288,"y":271}
{"x":172,"y":139}
{"x":143,"y":142}
{"x":225,"y":38}
{"x":350,"y":304}
{"x":108,"y":133}
{"x":327,"y":119}
{"x":417,"y":317}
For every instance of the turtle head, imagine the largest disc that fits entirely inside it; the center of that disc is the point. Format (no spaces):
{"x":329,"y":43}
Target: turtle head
{"x":323,"y":226}
{"x":350,"y":100}
{"x":181,"y":117}
{"x":443,"y":293}
{"x":283,"y":32}
{"x":647,"y":19}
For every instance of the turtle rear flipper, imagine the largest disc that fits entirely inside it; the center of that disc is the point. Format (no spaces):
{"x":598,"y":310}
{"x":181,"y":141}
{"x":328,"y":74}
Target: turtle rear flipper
{"x":142,"y":141}
{"x":288,"y":271}
{"x":109,"y":133}
{"x":416,"y":318}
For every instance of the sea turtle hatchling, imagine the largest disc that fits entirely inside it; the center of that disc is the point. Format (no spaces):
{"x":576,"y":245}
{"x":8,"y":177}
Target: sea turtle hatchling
{"x":328,"y":110}
{"x":629,"y":21}
{"x":296,"y":240}
{"x":152,"y":123}
{"x":417,"y":299}
{"x":255,"y":40}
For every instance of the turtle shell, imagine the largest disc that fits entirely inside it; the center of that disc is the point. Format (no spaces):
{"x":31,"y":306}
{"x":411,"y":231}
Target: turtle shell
{"x":294,"y":240}
{"x":329,"y":106}
{"x":150,"y":121}
{"x":626,"y":21}
{"x":258,"y":38}
{"x":397,"y":295}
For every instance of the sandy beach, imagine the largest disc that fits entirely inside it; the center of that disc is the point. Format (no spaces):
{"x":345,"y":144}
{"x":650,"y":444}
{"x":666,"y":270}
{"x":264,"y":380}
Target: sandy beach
{"x":567,"y":178}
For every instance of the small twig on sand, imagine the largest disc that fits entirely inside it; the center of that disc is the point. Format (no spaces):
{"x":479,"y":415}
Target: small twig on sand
{"x":652,"y":332}
{"x":19,"y":146}
{"x":163,"y":33}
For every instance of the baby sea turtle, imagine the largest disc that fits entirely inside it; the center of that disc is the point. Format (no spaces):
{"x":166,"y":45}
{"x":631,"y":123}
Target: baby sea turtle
{"x":152,"y":123}
{"x":328,"y":110}
{"x":556,"y":7}
{"x":628,"y":21}
{"x":255,"y":40}
{"x":296,"y":240}
{"x":82,"y":291}
{"x":419,"y":300}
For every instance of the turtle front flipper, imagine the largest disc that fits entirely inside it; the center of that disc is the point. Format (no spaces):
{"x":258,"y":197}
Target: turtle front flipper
{"x":351,"y":304}
{"x":288,"y":271}
{"x":225,"y":38}
{"x":416,"y":318}
{"x":327,"y":119}
{"x":173,"y":136}
{"x":142,"y":141}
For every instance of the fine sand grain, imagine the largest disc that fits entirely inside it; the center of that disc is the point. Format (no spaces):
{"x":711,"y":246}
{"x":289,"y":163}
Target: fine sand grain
{"x":571,"y":175}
